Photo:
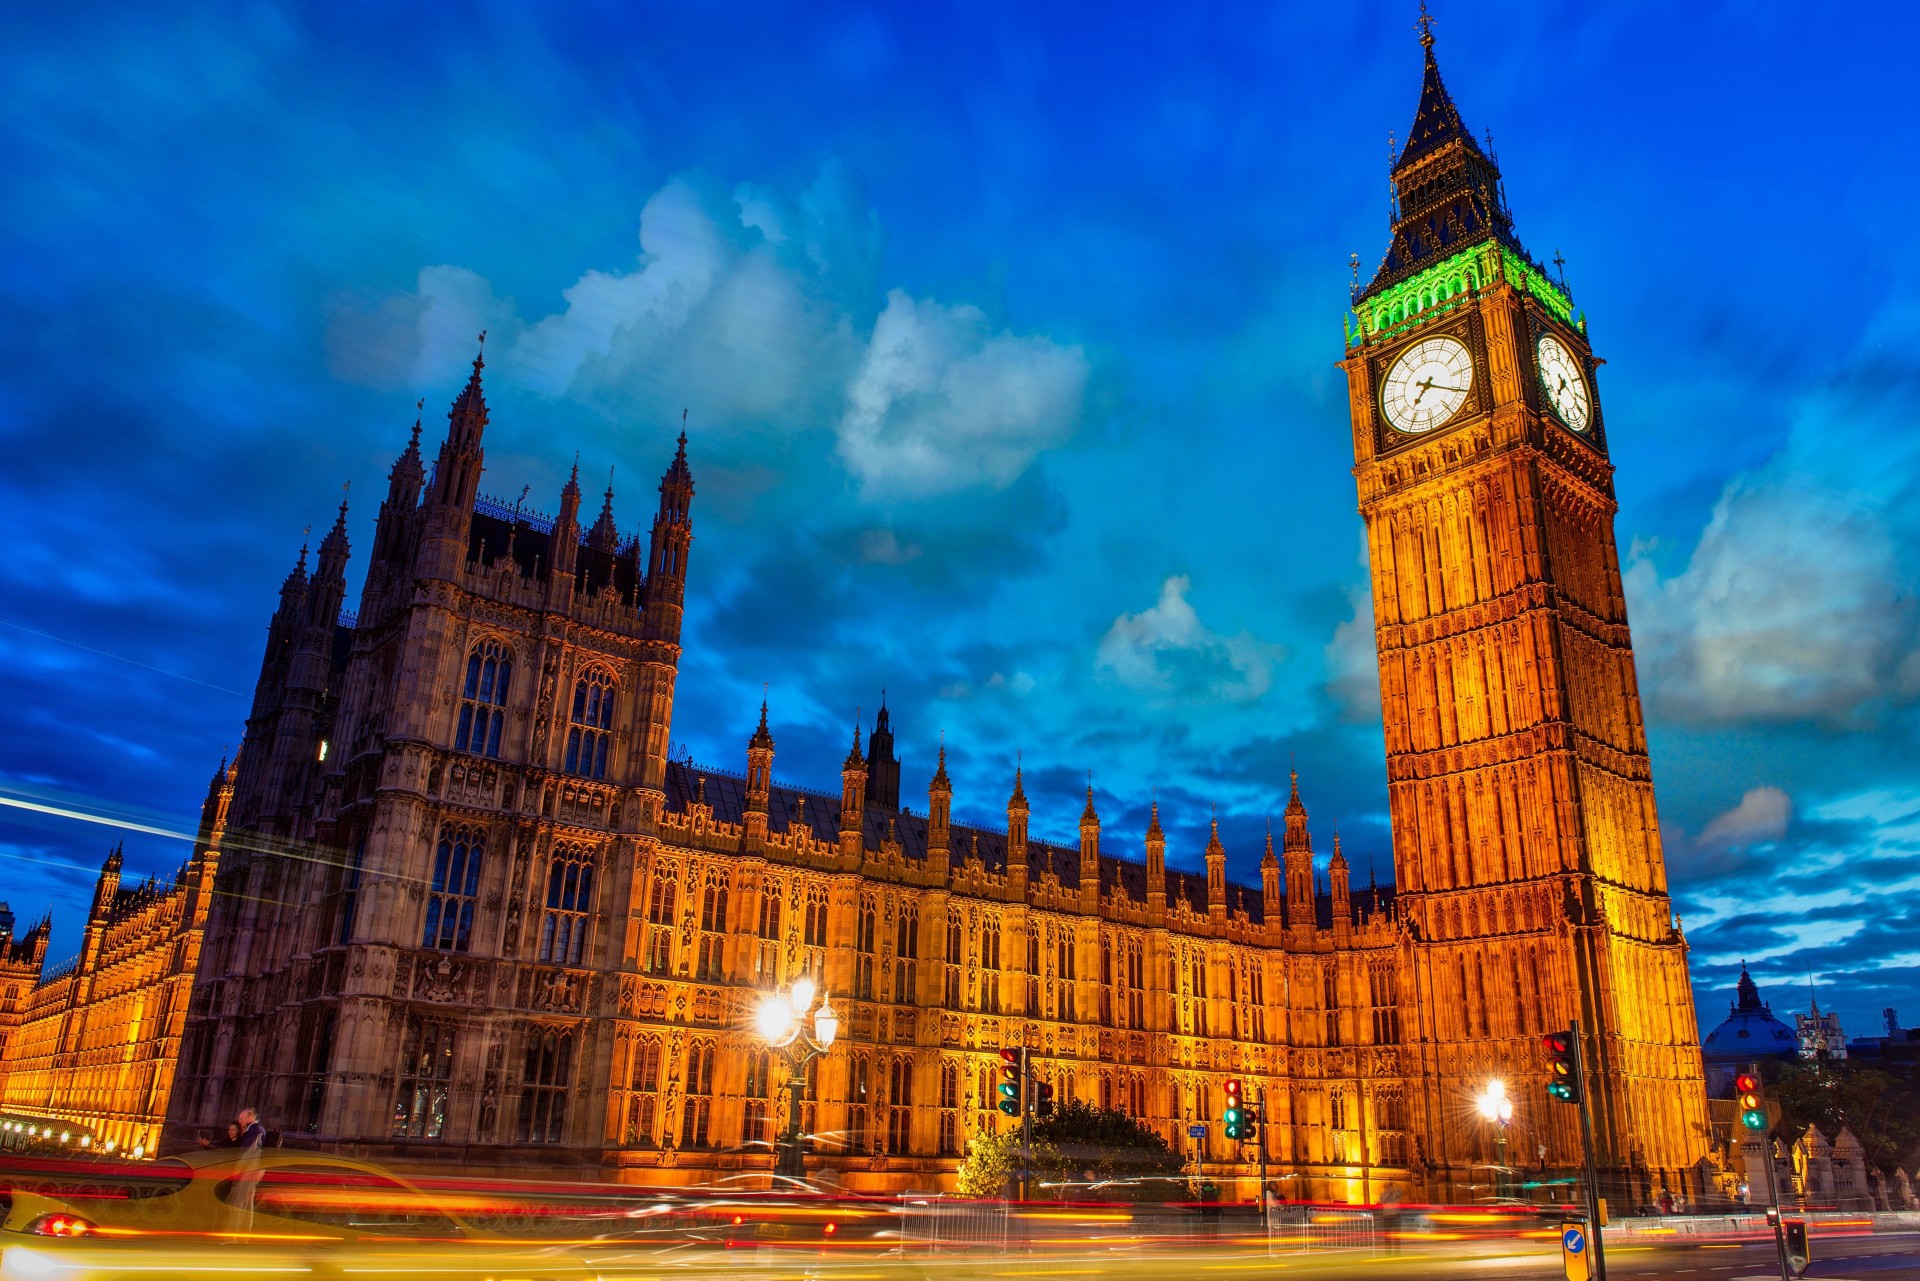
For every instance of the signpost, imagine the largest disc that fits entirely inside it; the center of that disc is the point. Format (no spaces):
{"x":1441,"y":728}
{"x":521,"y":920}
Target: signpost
{"x":1574,"y":1257}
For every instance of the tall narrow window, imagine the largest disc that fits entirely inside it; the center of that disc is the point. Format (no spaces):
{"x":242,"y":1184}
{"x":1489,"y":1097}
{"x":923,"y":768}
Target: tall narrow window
{"x":592,"y":727}
{"x":698,"y":1108}
{"x":426,"y":1072}
{"x":1106,"y":986}
{"x":816,"y":924}
{"x":1332,"y":994}
{"x":657,"y":953}
{"x":544,"y":1086}
{"x":857,"y":1101}
{"x":900,"y":1109}
{"x":949,"y":1109}
{"x":644,"y":1106}
{"x":563,"y":932}
{"x":754,"y":1128}
{"x":990,"y":968}
{"x":956,"y":953}
{"x":347,"y":901}
{"x":456,"y":885}
{"x":483,"y":699}
{"x":863,"y":941}
{"x":711,"y":965}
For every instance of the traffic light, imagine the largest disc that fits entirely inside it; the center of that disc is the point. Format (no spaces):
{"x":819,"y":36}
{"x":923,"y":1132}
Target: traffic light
{"x":1233,"y":1116}
{"x":1011,"y":1083}
{"x":1249,"y":1124}
{"x":1753,"y":1112}
{"x":1042,"y":1099}
{"x":1563,"y":1066}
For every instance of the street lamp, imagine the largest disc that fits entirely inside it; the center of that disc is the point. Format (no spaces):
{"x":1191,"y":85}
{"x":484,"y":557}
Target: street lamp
{"x":1495,"y":1106}
{"x":782,"y":1024}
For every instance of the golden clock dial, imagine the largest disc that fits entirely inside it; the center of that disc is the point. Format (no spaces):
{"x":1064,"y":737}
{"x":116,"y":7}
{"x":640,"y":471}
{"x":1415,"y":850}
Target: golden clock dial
{"x":1427,"y":385}
{"x":1565,"y":385}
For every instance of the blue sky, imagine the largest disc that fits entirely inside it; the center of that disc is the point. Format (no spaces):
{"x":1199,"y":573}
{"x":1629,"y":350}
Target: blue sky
{"x":1006,"y":335}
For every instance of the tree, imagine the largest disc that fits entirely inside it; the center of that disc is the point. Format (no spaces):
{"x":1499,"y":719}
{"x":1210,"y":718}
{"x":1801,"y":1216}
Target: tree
{"x":1106,"y":1151}
{"x":993,"y":1164}
{"x":1882,"y":1109}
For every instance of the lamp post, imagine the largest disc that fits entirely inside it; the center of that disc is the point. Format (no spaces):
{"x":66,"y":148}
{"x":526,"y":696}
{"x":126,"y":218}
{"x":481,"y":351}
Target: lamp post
{"x":1495,"y":1106}
{"x":782,"y":1024}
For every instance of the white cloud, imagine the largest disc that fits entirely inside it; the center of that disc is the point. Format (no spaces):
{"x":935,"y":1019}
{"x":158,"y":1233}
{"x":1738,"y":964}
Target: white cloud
{"x":942,"y":403}
{"x":1167,"y":649}
{"x":1761,"y":815}
{"x":757,"y":310}
{"x":1353,"y":661}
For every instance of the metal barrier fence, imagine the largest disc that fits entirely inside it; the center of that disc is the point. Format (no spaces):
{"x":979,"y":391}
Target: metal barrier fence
{"x":943,"y":1225}
{"x":1294,"y":1229}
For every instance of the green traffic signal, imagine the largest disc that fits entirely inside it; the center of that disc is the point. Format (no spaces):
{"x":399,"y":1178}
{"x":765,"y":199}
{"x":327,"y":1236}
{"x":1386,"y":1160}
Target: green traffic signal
{"x":1560,"y":1090}
{"x":1754,"y":1119}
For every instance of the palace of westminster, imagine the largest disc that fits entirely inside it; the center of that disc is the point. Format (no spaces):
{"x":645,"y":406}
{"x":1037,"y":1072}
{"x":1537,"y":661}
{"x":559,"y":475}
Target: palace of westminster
{"x":453,"y":903}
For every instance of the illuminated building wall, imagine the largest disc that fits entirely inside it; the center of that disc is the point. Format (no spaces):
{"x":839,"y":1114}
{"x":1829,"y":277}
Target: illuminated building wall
{"x":95,"y":1039}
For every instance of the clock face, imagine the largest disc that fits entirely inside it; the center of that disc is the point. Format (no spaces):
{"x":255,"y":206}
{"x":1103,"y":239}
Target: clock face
{"x":1566,"y":387}
{"x":1427,"y":385}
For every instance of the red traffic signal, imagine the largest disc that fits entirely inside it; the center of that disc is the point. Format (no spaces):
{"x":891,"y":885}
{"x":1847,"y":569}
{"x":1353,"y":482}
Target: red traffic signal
{"x":1563,"y":1066}
{"x":1753,"y":1113}
{"x":1010,"y":1082}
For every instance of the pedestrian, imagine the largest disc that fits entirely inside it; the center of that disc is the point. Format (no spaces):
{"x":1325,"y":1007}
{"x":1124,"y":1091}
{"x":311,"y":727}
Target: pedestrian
{"x":1390,"y":1219}
{"x":230,"y":1140}
{"x":250,"y":1140}
{"x":1666,"y":1201}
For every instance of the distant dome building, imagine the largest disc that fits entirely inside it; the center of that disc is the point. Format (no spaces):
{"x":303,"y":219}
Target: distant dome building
{"x":1750,"y":1032}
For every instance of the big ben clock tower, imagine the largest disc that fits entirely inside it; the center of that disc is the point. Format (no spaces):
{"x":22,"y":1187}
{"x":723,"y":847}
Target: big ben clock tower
{"x":1526,"y":850}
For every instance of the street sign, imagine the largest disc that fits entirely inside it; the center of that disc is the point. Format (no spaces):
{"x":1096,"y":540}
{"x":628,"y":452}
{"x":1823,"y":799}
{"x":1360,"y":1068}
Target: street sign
{"x":1575,"y":1262}
{"x":1196,"y":1131}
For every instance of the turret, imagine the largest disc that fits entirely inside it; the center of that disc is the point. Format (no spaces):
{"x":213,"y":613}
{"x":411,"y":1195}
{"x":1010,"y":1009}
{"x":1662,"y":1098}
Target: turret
{"x":1216,"y":877}
{"x":1270,"y":897}
{"x":393,"y":529}
{"x":1156,"y":864}
{"x":1089,"y":855}
{"x":204,"y":863}
{"x":1297,"y":851}
{"x":759,"y":783}
{"x":448,"y":508}
{"x":883,"y":767}
{"x":853,"y":797}
{"x":564,"y":545}
{"x":664,"y":590}
{"x":939,"y":821}
{"x":1017,"y":840}
{"x":1338,"y":885}
{"x":667,"y":554}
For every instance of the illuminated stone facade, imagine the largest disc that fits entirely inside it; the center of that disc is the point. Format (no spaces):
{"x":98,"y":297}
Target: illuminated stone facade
{"x":479,"y":917}
{"x":1526,"y":849}
{"x":95,"y":1040}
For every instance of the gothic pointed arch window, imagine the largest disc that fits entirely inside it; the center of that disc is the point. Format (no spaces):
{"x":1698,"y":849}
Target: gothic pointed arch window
{"x":545,"y":1084}
{"x":563,"y":930}
{"x":697,"y":1110}
{"x":426,"y":1079}
{"x":483,"y":699}
{"x":645,"y":1083}
{"x":454,"y":890}
{"x":590,"y":733}
{"x":755,"y":1126}
{"x":710,"y":965}
{"x":864,"y":940}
